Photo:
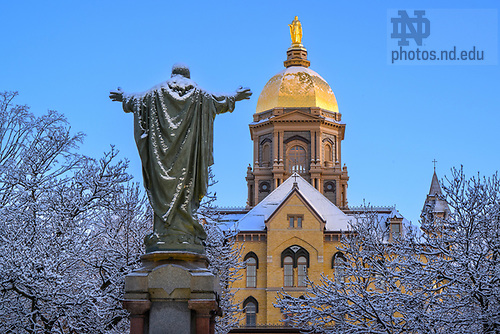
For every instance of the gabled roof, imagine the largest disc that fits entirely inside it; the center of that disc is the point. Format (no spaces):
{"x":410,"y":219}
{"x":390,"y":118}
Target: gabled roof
{"x":395,"y":214}
{"x":295,"y":191}
{"x":296,"y":115}
{"x":334,"y":218}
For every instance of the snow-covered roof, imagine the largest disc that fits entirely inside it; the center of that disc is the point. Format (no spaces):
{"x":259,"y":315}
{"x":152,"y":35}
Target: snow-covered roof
{"x":231,"y":217}
{"x":382,"y":217}
{"x":227,"y":218}
{"x":332,"y":120}
{"x":334,"y":218}
{"x":395,"y":214}
{"x":381,"y":214}
{"x":441,"y":206}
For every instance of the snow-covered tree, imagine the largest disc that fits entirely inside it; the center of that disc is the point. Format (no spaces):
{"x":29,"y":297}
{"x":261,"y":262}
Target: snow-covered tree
{"x":367,"y":294}
{"x":72,"y":227}
{"x":225,"y":260}
{"x":462,"y":253}
{"x":446,"y":280}
{"x":118,"y":243}
{"x":65,"y":220}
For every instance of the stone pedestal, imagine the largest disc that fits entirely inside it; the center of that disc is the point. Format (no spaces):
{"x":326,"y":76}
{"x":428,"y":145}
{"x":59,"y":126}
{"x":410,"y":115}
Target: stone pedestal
{"x":173,"y":292}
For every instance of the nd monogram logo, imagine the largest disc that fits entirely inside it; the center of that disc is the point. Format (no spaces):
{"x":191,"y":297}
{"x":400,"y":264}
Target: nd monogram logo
{"x":404,"y":27}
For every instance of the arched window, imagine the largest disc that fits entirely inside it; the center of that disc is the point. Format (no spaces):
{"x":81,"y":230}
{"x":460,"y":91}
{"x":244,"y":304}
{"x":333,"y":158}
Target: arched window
{"x":301,"y":271}
{"x":251,"y":273}
{"x":338,"y":265}
{"x":288,"y":271}
{"x":328,"y":152}
{"x":294,"y":252}
{"x":251,"y":308}
{"x":252,"y":263}
{"x":266,"y":155}
{"x":296,"y":160}
{"x":294,"y":257}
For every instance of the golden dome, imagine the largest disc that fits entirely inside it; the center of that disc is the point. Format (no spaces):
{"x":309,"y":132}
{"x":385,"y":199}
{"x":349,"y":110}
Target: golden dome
{"x":297,"y":87}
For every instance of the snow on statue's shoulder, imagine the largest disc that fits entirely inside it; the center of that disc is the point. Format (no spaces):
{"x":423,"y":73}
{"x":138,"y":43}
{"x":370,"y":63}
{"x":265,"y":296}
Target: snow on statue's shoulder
{"x":180,"y":87}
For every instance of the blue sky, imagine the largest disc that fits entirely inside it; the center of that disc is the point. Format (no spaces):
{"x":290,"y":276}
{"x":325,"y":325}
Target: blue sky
{"x":67,"y":56}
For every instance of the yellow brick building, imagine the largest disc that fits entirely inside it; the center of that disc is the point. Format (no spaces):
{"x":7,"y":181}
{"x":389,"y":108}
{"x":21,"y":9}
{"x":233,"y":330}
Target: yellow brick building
{"x":297,"y":192}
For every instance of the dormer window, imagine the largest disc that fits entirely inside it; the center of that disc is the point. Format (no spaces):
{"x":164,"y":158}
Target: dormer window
{"x":395,"y":230}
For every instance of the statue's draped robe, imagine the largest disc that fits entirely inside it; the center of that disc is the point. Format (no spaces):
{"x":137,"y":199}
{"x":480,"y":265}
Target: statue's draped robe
{"x":173,"y":129}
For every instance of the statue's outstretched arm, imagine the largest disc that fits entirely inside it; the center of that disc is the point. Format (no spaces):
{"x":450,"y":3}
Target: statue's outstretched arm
{"x":242,"y":94}
{"x":116,"y":95}
{"x":225,"y":103}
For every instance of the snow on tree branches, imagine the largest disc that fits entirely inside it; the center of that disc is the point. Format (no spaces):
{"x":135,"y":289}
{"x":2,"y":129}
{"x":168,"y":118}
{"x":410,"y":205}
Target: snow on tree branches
{"x":225,"y":260}
{"x":445,"y":279}
{"x":70,"y":228}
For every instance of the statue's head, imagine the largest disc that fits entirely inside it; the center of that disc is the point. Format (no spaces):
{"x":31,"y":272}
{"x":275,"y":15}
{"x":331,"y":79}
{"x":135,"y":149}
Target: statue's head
{"x":181,"y":69}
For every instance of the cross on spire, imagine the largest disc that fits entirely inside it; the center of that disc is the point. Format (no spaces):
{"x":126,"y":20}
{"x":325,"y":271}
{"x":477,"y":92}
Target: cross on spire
{"x":434,"y":162}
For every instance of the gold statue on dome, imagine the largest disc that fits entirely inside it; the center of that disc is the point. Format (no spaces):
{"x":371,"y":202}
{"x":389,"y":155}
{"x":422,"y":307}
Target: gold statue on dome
{"x":296,"y":31}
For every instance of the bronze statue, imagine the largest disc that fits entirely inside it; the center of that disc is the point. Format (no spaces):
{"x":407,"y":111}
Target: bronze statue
{"x":173,"y":130}
{"x":296,"y":31}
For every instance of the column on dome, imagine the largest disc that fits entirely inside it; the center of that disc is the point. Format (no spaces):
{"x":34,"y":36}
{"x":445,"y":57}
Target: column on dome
{"x":275,"y":147}
{"x":276,"y":144}
{"x":255,"y":151}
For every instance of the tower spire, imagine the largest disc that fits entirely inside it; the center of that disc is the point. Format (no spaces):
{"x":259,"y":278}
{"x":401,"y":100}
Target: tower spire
{"x":434,"y":203}
{"x":435,"y":186}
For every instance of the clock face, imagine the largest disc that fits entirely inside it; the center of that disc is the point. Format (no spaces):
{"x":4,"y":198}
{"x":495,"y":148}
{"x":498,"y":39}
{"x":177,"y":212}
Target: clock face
{"x":329,"y":186}
{"x":264,"y":186}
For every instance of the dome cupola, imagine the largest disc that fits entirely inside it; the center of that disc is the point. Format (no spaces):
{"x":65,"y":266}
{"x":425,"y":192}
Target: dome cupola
{"x":297,"y":86}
